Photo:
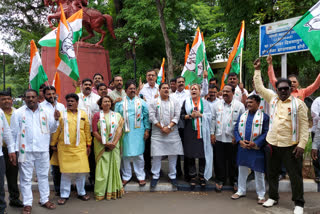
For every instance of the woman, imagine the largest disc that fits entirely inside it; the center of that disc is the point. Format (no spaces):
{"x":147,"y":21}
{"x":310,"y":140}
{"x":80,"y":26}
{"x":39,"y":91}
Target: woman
{"x":196,"y":114}
{"x":107,"y":131}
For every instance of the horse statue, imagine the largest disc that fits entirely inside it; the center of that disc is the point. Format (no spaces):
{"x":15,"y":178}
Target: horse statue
{"x":92,"y":19}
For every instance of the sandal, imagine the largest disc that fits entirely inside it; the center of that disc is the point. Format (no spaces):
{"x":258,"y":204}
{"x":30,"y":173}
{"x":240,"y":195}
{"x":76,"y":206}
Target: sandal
{"x":237,"y":196}
{"x":142,"y":183}
{"x":202,"y":182}
{"x":26,"y":210}
{"x":84,"y":197}
{"x":219,"y":187}
{"x":193,"y":182}
{"x":49,"y":205}
{"x":62,"y":201}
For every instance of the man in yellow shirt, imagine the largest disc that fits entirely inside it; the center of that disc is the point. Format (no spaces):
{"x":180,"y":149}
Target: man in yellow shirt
{"x":73,"y":138}
{"x":287,"y":137}
{"x":11,"y":170}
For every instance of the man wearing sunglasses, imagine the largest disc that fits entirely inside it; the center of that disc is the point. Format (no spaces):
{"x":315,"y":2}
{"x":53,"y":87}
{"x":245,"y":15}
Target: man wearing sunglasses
{"x":287,"y":137}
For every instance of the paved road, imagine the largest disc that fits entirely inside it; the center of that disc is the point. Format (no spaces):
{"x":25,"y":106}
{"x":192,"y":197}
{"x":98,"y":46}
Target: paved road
{"x":176,"y":202}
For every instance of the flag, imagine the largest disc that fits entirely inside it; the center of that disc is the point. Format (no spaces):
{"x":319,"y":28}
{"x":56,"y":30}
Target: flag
{"x":37,"y":75}
{"x":75,"y":22}
{"x":161,"y":75}
{"x":65,"y":59}
{"x":308,"y":28}
{"x":186,"y":54}
{"x":197,"y":59}
{"x":233,"y":64}
{"x":56,"y":85}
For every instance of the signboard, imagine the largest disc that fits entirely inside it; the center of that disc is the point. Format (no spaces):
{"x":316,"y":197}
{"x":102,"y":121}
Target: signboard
{"x":272,"y":32}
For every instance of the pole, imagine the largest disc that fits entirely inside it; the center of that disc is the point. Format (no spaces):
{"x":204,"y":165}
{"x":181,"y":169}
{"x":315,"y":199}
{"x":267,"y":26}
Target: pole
{"x":240,"y":74}
{"x":284,"y":66}
{"x":4,"y":71}
{"x":134,"y":62}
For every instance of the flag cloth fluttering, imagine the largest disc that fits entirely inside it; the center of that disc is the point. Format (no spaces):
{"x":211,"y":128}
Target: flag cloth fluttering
{"x":37,"y":75}
{"x":186,"y":54}
{"x":308,"y":28}
{"x":65,"y":59}
{"x":161,"y":75}
{"x":233,"y":64}
{"x":197,"y":59}
{"x":56,"y":85}
{"x":75,"y":22}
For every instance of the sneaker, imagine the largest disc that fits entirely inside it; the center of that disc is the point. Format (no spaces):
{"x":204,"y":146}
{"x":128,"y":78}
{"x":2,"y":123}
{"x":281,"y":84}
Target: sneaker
{"x":269,"y":203}
{"x":174,"y":182}
{"x":154,"y":183}
{"x":298,"y":210}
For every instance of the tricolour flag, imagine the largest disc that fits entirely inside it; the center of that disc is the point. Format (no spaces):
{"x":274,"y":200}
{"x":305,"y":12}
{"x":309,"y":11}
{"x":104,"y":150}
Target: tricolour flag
{"x":37,"y":75}
{"x":233,"y":64}
{"x":308,"y":28}
{"x":56,"y":85}
{"x":75,"y":22}
{"x":197,"y":59}
{"x":66,"y":61}
{"x":186,"y":54}
{"x":161,"y":75}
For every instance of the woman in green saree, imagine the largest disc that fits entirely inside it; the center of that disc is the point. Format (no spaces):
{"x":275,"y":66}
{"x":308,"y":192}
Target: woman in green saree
{"x":107,"y":131}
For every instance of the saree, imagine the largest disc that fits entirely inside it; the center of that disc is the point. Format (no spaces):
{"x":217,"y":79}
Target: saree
{"x":108,"y":183}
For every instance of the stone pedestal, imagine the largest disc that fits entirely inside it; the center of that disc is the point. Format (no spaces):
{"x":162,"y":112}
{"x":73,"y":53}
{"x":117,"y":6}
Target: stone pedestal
{"x":91,"y":60}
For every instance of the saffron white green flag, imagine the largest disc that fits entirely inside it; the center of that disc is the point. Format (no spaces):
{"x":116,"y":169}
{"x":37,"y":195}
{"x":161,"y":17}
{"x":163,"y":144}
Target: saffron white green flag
{"x":161,"y":75}
{"x":75,"y":22}
{"x":308,"y":28}
{"x":37,"y":75}
{"x":197,"y":59}
{"x":65,"y":59}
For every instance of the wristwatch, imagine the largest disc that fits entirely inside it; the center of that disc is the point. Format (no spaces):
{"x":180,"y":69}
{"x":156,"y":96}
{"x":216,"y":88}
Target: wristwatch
{"x":169,"y":127}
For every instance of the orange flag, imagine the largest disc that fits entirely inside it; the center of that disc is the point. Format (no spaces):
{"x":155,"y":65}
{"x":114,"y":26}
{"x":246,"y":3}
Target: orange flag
{"x":186,"y":54}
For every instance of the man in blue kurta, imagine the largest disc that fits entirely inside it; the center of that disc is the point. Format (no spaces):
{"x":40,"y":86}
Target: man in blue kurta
{"x":250,"y":132}
{"x":136,"y":119}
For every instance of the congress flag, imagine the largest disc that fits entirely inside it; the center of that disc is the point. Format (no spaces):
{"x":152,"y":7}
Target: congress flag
{"x":161,"y":75}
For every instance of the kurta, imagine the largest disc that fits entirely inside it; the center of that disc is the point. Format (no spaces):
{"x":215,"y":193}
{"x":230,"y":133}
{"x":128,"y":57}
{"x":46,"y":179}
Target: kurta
{"x":108,"y":180}
{"x":165,"y":144}
{"x":133,"y":142}
{"x":72,"y":158}
{"x":252,"y":158}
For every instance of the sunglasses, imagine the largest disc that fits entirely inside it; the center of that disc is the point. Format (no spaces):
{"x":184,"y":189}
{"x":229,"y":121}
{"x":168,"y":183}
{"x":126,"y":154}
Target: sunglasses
{"x":284,"y":88}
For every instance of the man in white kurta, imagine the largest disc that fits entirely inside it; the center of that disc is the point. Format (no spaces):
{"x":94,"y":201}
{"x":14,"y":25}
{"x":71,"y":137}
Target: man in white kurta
{"x":31,"y":126}
{"x":164,"y":114}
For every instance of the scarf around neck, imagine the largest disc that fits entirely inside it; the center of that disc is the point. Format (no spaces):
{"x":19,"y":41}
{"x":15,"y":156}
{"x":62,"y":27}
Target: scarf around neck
{"x":66,"y":127}
{"x":103,"y":126}
{"x":160,"y":110}
{"x":256,"y":127}
{"x":137,"y":113}
{"x":196,"y":123}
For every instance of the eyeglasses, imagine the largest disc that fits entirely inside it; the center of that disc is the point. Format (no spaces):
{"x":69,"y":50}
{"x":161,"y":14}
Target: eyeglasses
{"x":284,"y":88}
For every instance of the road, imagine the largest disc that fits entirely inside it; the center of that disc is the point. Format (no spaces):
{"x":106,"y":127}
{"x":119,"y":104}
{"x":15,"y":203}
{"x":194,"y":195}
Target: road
{"x":175,"y":202}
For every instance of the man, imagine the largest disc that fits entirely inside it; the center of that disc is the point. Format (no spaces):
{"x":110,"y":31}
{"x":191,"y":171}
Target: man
{"x":118,"y":93}
{"x":213,"y":81}
{"x":102,"y":89}
{"x":287,"y":137}
{"x":212,"y":95}
{"x":135,"y":113}
{"x":5,"y":134}
{"x":88,"y":102}
{"x":164,"y":113}
{"x":224,"y":117}
{"x":31,"y":126}
{"x":181,"y":95}
{"x":97,"y":79}
{"x":241,"y":93}
{"x":41,"y":95}
{"x":315,"y":152}
{"x":50,"y":104}
{"x":300,"y":93}
{"x":11,"y":170}
{"x":73,"y":138}
{"x":173,"y":85}
{"x":250,"y":132}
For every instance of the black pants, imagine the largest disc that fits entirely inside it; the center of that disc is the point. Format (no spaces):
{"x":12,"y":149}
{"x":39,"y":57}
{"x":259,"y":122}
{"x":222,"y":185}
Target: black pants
{"x":225,"y":159}
{"x":185,"y":159}
{"x":147,"y":154}
{"x":12,"y":176}
{"x":56,"y":177}
{"x":92,"y":163}
{"x":275,"y":157}
{"x":3,"y":204}
{"x":316,"y":163}
{"x":193,"y":169}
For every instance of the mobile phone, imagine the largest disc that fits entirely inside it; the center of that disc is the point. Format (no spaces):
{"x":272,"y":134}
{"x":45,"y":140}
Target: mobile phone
{"x":195,"y":108}
{"x":141,"y":96}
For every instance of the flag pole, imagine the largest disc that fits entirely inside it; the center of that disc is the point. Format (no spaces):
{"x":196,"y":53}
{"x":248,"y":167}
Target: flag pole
{"x":241,"y":65}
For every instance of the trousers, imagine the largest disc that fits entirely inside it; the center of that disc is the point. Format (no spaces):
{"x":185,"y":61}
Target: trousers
{"x":156,"y":166}
{"x":138,"y":166}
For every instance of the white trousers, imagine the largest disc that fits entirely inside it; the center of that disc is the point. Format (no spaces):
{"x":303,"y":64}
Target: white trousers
{"x":39,"y":161}
{"x":138,"y":166}
{"x":259,"y":180}
{"x":65,"y":184}
{"x":156,"y":166}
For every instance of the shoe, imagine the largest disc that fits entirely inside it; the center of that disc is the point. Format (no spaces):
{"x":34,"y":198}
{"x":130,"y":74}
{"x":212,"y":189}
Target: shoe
{"x":237,"y":195}
{"x":202,"y":182}
{"x":174,"y":182}
{"x":261,"y":201}
{"x":298,"y":210}
{"x":16,"y":203}
{"x":269,"y":203}
{"x":154,"y":183}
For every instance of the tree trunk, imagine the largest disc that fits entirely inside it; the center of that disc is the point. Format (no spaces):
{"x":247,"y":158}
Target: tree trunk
{"x":160,"y":7}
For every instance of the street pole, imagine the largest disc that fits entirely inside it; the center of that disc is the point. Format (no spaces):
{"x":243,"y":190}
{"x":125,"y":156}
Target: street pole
{"x":4,"y":69}
{"x":134,"y":62}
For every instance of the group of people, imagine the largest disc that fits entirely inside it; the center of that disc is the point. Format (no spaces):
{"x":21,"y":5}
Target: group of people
{"x":100,"y":132}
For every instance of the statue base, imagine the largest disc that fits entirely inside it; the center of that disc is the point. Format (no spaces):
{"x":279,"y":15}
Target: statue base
{"x":91,"y":59}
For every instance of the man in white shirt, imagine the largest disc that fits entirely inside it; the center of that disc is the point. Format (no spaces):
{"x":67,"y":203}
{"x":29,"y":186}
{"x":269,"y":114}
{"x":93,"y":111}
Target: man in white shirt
{"x":213,"y":95}
{"x":315,"y":152}
{"x":224,"y":118}
{"x":31,"y":127}
{"x":241,"y":93}
{"x":118,"y":93}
